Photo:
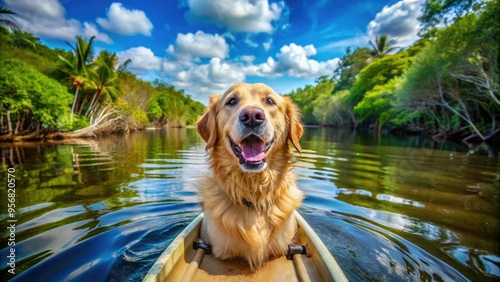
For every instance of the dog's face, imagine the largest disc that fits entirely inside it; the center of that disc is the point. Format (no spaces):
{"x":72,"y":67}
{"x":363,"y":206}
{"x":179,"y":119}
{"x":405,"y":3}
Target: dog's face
{"x":251,"y":121}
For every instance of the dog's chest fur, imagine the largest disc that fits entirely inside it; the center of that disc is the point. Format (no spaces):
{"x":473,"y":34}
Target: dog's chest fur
{"x":254,"y":233}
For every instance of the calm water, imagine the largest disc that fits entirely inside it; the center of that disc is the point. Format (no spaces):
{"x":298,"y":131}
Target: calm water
{"x":389,"y":209}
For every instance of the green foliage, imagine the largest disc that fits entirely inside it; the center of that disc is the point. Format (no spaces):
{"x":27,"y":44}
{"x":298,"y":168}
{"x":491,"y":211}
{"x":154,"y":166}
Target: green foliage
{"x":134,"y":116}
{"x":102,"y":80}
{"x":78,"y":122}
{"x":406,"y":117}
{"x":350,"y":66}
{"x":446,"y":80}
{"x":7,"y":20}
{"x":169,"y":106}
{"x":436,"y":12}
{"x":305,"y":97}
{"x":456,"y":77}
{"x":28,"y":94}
{"x":378,"y":73}
{"x":34,"y":101}
{"x":28,"y":49}
{"x":377,"y":103}
{"x":382,"y":46}
{"x":333,"y":110}
{"x":373,"y":89}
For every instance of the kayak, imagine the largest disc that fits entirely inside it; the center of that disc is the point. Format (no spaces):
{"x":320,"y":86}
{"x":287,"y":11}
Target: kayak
{"x":181,"y":262}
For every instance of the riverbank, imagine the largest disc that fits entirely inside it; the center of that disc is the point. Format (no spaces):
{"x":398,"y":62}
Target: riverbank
{"x":460,"y":138}
{"x":90,"y":132}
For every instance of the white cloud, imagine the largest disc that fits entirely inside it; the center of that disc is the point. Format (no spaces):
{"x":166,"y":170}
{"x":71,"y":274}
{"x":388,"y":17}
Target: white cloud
{"x":247,"y":58}
{"x":199,"y":45}
{"x":169,"y":65}
{"x":126,"y":22}
{"x":90,"y":30}
{"x":209,"y":78}
{"x":238,"y":15}
{"x":143,"y":59}
{"x":218,"y":74}
{"x":294,"y":60}
{"x":399,"y":21}
{"x":267,"y":45}
{"x":47,"y":19}
{"x":49,"y":8}
{"x":250,"y":42}
{"x":229,"y":35}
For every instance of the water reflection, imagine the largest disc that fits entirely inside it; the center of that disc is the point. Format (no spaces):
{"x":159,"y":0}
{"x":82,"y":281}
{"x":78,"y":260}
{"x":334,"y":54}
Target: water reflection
{"x":389,"y":209}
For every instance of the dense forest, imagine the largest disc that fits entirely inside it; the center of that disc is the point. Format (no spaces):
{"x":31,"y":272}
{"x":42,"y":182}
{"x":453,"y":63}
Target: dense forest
{"x":44,"y":91}
{"x":446,"y":83}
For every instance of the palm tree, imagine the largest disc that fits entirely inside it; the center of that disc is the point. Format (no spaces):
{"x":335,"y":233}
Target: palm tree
{"x":383,"y":46}
{"x":6,"y":19}
{"x":103,"y":79}
{"x":123,"y":66}
{"x":76,"y":66}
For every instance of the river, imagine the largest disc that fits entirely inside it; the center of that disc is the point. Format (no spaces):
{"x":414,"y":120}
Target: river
{"x":388,"y":208}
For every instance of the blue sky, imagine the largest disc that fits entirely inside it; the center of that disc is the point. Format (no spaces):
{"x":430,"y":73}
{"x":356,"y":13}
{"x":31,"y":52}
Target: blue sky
{"x":205,"y":46}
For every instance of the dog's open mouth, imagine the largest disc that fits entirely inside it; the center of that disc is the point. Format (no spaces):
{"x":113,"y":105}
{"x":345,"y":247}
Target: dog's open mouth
{"x":251,"y":152}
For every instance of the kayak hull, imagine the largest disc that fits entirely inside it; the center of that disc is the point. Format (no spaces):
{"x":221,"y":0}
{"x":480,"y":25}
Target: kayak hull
{"x":180,"y":262}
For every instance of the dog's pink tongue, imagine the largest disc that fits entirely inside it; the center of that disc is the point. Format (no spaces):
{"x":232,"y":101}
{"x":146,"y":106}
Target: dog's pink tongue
{"x":253,"y":151}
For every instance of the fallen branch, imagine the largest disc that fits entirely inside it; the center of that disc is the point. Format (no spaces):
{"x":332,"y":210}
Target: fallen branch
{"x":87,"y":132}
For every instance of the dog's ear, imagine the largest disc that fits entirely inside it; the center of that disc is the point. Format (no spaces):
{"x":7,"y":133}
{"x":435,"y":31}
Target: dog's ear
{"x":295,"y":128}
{"x":207,"y":125}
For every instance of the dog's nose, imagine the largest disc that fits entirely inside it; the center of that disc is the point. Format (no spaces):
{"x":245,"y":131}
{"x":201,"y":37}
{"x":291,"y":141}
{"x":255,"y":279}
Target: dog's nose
{"x":252,"y":117}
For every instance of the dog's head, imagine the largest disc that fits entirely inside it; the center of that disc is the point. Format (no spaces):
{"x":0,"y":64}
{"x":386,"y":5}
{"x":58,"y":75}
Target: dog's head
{"x":251,"y":121}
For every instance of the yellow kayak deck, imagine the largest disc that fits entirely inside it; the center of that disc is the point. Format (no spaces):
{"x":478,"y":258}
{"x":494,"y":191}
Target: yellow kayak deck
{"x":180,"y":262}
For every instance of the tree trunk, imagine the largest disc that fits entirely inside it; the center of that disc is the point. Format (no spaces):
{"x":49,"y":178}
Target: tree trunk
{"x":465,"y":117}
{"x":80,"y":106}
{"x":18,"y":123}
{"x":92,"y":103}
{"x":87,"y":132}
{"x":74,"y":102}
{"x":1,"y":117}
{"x":9,"y":124}
{"x":21,"y":125}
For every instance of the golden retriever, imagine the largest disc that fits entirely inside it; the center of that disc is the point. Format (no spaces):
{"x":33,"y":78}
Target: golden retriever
{"x":251,"y":193}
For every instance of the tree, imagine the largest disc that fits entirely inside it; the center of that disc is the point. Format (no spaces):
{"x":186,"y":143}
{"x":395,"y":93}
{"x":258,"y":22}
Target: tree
{"x":29,"y":95}
{"x":377,"y":103}
{"x":349,"y":67}
{"x":76,"y":65}
{"x":382,"y":46}
{"x":446,"y":12}
{"x":378,"y":73}
{"x":6,"y":19}
{"x":306,"y":96}
{"x":169,"y":106}
{"x":333,"y":110}
{"x":103,"y":80}
{"x":458,"y":73}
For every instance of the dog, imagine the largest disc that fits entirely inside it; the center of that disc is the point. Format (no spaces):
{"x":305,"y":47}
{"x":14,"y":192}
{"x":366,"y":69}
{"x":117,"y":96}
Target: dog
{"x":249,"y":197}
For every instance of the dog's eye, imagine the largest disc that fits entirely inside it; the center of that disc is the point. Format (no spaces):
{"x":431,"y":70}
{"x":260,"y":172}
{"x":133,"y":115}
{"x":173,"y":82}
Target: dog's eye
{"x":269,"y":101}
{"x":232,"y":102}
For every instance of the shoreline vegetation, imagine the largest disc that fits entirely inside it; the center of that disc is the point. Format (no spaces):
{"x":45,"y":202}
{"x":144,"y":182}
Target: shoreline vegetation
{"x":445,"y":85}
{"x":55,"y":94}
